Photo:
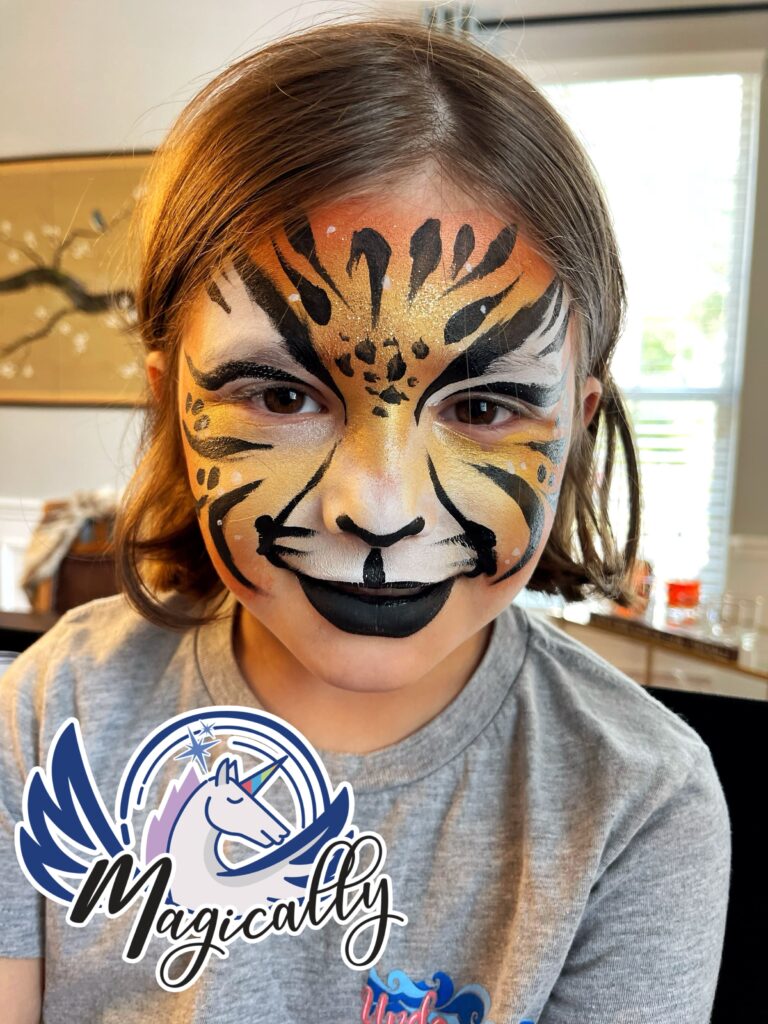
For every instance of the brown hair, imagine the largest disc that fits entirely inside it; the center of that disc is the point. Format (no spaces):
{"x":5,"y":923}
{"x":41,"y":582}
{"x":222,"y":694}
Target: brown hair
{"x":336,"y":111}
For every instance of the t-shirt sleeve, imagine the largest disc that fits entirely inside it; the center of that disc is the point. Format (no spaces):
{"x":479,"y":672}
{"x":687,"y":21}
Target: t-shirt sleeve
{"x":22,"y":933}
{"x":649,"y":944}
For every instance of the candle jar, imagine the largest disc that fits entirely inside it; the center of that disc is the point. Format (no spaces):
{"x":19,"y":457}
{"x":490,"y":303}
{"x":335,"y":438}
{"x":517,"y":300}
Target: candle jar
{"x":683,"y":602}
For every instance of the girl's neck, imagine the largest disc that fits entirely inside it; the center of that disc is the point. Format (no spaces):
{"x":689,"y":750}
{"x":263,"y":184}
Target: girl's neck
{"x":339,"y":720}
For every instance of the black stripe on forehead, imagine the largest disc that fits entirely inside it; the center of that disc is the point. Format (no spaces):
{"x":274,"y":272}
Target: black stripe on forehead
{"x":303,"y":241}
{"x":467,"y":319}
{"x":369,"y":243}
{"x":214,"y":294}
{"x":463,"y":247}
{"x":497,"y":255}
{"x":315,"y":301}
{"x":292,"y":331}
{"x":425,"y":251}
{"x":504,"y":337}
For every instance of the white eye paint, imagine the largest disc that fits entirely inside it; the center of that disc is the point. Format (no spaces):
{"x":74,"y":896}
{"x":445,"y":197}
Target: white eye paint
{"x":237,"y":478}
{"x":523,"y":465}
{"x":386,"y":282}
{"x":294,"y":297}
{"x":483,"y":309}
{"x":468,"y":267}
{"x":330,"y":229}
{"x":516,"y":551}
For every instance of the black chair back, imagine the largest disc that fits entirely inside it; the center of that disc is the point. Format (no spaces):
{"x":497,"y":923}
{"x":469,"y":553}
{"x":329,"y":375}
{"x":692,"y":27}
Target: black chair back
{"x":736,"y":729}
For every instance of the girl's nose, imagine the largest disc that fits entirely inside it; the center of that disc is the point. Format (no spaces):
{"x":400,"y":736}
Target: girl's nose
{"x":378,"y":492}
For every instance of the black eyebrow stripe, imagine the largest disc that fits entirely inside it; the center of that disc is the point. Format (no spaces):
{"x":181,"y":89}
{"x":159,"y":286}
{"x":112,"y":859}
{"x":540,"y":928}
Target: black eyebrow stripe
{"x":534,"y":394}
{"x":235,"y":369}
{"x":505,"y":336}
{"x":497,"y":255}
{"x":220,"y":447}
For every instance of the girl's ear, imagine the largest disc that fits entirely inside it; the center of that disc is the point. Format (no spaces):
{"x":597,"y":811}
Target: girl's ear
{"x":591,"y":392}
{"x":155,"y":365}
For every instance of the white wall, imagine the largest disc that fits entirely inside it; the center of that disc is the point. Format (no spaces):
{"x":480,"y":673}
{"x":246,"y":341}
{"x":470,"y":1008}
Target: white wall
{"x":88,"y":77}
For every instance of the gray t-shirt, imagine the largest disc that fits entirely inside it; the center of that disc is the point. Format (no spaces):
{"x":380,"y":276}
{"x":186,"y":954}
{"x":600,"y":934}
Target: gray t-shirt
{"x":557,"y":838}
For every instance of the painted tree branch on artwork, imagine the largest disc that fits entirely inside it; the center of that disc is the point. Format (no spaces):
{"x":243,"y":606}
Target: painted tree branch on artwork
{"x":49,"y":272}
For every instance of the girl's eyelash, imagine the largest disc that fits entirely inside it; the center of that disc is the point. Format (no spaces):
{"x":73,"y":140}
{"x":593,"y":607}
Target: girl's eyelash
{"x":469,"y":396}
{"x":257,"y":389}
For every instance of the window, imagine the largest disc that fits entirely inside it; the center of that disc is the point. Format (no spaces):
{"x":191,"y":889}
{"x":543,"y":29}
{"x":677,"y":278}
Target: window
{"x":675,"y":155}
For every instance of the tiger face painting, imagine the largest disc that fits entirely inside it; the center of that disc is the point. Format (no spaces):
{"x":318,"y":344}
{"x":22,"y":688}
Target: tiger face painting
{"x":376,"y":411}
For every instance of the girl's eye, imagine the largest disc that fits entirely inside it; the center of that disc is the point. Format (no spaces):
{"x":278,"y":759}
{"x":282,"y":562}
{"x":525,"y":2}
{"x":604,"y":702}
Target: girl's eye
{"x":285,"y":401}
{"x":235,"y":799}
{"x":482,"y":412}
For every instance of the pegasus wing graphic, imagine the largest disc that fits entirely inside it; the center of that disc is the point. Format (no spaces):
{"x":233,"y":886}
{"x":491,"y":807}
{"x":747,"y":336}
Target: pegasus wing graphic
{"x":62,"y":807}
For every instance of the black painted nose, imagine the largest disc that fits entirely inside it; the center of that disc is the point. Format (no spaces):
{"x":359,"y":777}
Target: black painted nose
{"x":380,"y":540}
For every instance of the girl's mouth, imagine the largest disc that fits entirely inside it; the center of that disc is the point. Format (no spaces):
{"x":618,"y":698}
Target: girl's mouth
{"x":397,"y":610}
{"x":392,"y":590}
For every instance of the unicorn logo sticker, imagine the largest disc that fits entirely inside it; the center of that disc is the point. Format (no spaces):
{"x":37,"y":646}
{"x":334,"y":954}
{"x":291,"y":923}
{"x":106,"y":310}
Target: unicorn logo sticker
{"x":204,"y":786}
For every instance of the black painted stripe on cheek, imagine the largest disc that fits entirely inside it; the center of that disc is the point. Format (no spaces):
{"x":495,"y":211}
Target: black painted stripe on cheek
{"x":425,"y":251}
{"x":220,"y":447}
{"x":497,"y":255}
{"x":463,"y":248}
{"x":529,"y":502}
{"x":217,"y":513}
{"x":369,"y":243}
{"x":481,"y":538}
{"x":555,"y":451}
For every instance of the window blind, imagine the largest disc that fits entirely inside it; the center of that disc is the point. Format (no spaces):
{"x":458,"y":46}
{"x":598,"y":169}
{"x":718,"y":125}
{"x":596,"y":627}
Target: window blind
{"x":676,"y":155}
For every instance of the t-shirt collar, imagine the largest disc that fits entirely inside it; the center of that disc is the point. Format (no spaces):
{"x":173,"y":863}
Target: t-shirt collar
{"x":414,"y":756}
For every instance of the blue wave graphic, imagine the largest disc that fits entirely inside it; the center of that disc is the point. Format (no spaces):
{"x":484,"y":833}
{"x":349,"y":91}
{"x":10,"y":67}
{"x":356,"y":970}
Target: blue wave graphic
{"x":470,"y":1005}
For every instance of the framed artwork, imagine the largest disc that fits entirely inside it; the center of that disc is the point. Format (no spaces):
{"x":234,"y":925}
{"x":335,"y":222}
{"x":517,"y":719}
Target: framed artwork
{"x":67,"y":313}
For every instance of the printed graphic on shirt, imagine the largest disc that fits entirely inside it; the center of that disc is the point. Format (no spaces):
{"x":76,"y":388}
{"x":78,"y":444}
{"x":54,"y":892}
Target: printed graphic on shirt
{"x":226,"y":766}
{"x":400,"y":1000}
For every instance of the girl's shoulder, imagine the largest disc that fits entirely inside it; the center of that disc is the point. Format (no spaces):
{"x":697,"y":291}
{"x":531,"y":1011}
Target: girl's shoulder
{"x":602,"y":710}
{"x":103,"y":663}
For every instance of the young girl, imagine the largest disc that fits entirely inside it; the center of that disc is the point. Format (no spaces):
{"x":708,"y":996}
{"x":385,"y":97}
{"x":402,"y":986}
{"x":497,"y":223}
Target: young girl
{"x":379,"y":293}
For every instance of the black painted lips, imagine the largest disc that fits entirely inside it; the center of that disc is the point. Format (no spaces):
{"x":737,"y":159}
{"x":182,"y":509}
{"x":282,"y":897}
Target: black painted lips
{"x":387,"y":615}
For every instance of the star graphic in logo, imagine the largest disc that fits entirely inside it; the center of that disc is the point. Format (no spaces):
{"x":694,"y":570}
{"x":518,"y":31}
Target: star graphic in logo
{"x":196,"y":749}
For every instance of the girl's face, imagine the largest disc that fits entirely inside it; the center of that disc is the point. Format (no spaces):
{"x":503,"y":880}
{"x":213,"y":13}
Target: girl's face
{"x":376,"y":411}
